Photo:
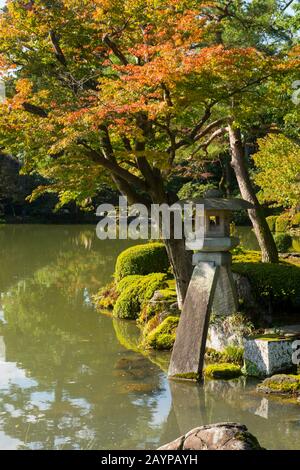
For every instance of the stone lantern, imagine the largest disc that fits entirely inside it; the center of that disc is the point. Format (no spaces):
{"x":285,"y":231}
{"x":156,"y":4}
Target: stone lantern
{"x":211,"y":289}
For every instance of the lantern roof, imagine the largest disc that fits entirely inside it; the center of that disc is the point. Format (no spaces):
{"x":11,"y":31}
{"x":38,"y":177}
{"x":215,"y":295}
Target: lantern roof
{"x":212,"y":200}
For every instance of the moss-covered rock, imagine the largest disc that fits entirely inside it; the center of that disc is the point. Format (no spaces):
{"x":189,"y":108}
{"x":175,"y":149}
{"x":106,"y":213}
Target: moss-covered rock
{"x":271,"y":221}
{"x":287,"y":384}
{"x":142,"y":259}
{"x":222,"y":371}
{"x":283,"y":241}
{"x":231,"y":354}
{"x":163,"y":336}
{"x":136,"y":291}
{"x":164,"y":301}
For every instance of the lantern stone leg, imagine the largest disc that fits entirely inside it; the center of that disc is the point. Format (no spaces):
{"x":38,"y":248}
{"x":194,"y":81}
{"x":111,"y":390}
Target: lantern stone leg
{"x":189,"y":348}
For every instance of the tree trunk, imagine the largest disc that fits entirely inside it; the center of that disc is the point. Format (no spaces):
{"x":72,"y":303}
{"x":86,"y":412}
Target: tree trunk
{"x":181,"y":262}
{"x":261,"y":228}
{"x":180,"y":258}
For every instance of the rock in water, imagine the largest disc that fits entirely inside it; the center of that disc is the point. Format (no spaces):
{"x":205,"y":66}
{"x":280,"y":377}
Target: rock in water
{"x":221,"y":436}
{"x":282,"y":384}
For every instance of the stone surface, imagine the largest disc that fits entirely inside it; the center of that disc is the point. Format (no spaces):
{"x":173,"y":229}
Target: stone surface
{"x":228,"y":330}
{"x":245,"y":293}
{"x":225,"y":299}
{"x":264,"y":357}
{"x":188,"y":351}
{"x":221,"y":436}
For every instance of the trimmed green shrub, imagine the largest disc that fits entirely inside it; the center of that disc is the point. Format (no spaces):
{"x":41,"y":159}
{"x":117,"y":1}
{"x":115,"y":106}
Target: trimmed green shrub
{"x":142,"y":259}
{"x":271,"y":221}
{"x":283,"y":222}
{"x":275,"y":283}
{"x":283,"y":242}
{"x":296,"y":220}
{"x":127,"y":281}
{"x":239,"y":255}
{"x":136,"y":291}
{"x":296,"y":244}
{"x":163,"y":336}
{"x":222,"y":371}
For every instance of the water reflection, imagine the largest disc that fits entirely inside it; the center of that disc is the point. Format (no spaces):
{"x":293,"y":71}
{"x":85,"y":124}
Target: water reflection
{"x":72,"y":379}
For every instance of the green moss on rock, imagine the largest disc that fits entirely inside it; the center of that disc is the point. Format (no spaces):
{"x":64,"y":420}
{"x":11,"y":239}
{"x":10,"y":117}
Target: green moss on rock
{"x":281,"y":383}
{"x":222,"y":371}
{"x":137,"y":290}
{"x":142,"y":259}
{"x":231,"y":354}
{"x":163,"y":336}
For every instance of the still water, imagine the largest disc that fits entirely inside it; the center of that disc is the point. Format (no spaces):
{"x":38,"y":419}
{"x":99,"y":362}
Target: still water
{"x":71,"y":379}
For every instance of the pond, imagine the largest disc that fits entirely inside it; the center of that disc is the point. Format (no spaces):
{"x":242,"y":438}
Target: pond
{"x":71,"y":379}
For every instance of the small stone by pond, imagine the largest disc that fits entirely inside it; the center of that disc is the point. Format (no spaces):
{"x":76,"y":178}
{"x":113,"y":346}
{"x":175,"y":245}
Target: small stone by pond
{"x":220,"y":436}
{"x":267,"y":354}
{"x":282,"y":384}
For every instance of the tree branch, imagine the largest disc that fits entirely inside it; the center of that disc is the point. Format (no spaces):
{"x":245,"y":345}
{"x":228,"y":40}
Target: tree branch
{"x":211,"y":138}
{"x":114,"y":168}
{"x":109,"y":43}
{"x":36,"y":110}
{"x":190,"y":137}
{"x":210,"y":127}
{"x":57,"y":49}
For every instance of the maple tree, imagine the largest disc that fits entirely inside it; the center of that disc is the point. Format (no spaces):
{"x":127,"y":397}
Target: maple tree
{"x":122,"y":90}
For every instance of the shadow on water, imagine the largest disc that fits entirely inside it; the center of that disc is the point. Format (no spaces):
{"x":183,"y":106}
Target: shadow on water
{"x":72,"y":379}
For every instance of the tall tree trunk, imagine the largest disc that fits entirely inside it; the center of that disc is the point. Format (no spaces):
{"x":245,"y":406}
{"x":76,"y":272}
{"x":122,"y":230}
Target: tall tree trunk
{"x":261,"y":228}
{"x":180,"y":258}
{"x":181,"y":262}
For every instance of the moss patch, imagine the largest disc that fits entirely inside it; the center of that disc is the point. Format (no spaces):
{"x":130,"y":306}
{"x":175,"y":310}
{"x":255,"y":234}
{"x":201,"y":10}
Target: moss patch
{"x":188,"y":376}
{"x":142,"y":259}
{"x":163,"y":336}
{"x":222,"y":371}
{"x":281,"y":384}
{"x":137,"y":290}
{"x":231,"y":354}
